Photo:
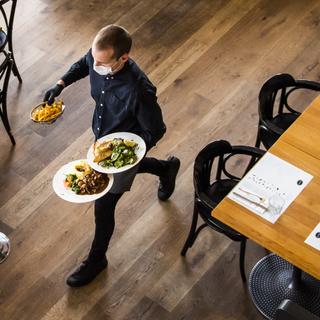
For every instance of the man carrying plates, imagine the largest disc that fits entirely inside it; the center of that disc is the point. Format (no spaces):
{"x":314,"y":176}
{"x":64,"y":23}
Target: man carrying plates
{"x":125,"y":102}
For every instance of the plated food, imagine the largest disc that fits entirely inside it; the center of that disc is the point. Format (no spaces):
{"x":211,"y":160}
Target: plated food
{"x":85,"y":180}
{"x":116,"y":152}
{"x":77,"y":182}
{"x":46,"y":113}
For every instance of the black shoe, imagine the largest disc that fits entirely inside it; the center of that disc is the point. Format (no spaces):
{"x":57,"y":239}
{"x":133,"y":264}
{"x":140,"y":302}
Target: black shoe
{"x":86,"y":272}
{"x":167,"y":182}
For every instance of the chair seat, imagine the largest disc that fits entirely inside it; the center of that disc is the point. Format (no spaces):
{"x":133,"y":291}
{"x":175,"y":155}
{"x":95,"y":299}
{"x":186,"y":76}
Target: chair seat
{"x":219,"y":189}
{"x":216,"y":192}
{"x":283,"y":121}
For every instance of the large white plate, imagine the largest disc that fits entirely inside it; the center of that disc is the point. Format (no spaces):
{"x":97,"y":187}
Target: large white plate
{"x":140,"y":152}
{"x":66,"y":193}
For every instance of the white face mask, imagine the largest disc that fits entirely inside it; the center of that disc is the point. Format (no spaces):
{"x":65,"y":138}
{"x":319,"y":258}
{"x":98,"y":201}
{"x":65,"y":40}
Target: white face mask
{"x":102,"y":70}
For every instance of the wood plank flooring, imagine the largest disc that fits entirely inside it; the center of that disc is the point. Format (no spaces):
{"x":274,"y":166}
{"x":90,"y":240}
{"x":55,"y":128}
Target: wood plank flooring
{"x":208,"y":59}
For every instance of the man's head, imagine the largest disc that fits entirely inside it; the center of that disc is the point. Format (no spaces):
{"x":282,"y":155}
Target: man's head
{"x":111,"y":46}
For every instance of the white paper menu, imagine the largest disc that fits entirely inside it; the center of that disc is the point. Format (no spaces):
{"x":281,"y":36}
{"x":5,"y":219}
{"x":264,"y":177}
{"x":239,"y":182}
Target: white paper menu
{"x":270,"y":187}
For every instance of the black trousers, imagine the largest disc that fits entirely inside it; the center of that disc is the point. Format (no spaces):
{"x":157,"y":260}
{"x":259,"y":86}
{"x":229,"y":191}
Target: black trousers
{"x":104,"y":210}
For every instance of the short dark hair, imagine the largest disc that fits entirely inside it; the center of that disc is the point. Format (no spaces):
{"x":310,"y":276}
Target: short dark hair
{"x":115,"y":37}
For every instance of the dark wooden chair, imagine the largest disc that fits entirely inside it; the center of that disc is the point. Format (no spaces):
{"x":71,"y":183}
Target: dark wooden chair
{"x":8,"y":9}
{"x":209,"y":193}
{"x":275,"y":119}
{"x":5,"y":71}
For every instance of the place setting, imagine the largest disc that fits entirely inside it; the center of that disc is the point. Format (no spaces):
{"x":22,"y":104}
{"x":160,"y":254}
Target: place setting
{"x":270,"y":187}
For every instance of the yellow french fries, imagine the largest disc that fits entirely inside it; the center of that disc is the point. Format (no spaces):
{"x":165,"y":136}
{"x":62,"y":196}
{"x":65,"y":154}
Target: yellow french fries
{"x":48,"y":113}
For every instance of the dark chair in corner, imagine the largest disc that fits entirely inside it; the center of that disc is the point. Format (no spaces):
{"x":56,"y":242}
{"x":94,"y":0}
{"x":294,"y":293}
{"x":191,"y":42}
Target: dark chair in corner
{"x":289,"y":310}
{"x":8,"y":9}
{"x":274,"y":120}
{"x":5,"y":71}
{"x":209,"y":193}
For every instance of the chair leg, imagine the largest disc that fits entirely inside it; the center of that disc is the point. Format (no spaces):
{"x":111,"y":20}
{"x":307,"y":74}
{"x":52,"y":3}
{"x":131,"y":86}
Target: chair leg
{"x":242,"y":256}
{"x":9,"y":132}
{"x":15,"y":70}
{"x":11,"y":138}
{"x":191,"y":237}
{"x":13,"y":141}
{"x":4,"y":117}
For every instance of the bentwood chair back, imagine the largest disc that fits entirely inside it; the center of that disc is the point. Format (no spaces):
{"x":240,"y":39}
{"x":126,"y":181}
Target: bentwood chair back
{"x":276,"y":117}
{"x":216,"y":172}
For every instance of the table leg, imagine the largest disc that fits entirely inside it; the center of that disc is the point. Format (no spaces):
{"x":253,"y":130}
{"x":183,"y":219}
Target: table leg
{"x":273,"y":279}
{"x":295,"y":283}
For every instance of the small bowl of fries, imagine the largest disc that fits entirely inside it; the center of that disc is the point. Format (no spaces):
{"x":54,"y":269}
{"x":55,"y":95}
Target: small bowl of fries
{"x":44,"y":113}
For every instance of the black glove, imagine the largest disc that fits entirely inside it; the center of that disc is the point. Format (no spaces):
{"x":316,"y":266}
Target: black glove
{"x":52,"y":93}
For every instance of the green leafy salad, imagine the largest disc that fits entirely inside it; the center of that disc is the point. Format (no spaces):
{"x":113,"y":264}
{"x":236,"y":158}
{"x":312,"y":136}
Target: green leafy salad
{"x":123,"y":153}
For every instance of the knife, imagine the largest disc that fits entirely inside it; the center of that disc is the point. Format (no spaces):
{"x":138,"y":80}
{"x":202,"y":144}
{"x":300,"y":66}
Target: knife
{"x":257,"y":203}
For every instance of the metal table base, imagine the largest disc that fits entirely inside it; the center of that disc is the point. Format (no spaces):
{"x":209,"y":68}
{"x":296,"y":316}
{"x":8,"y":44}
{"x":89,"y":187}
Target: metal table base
{"x":273,"y":279}
{"x":4,"y":247}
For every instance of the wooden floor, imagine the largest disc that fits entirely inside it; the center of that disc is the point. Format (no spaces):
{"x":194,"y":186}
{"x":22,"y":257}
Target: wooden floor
{"x":208,"y":60}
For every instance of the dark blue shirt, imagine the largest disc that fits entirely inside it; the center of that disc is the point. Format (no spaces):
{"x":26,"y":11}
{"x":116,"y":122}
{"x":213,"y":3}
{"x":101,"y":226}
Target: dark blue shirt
{"x":125,"y":101}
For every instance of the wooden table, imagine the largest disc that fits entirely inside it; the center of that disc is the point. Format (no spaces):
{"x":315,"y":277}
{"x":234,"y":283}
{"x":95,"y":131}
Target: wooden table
{"x":300,"y":146}
{"x":304,"y":134}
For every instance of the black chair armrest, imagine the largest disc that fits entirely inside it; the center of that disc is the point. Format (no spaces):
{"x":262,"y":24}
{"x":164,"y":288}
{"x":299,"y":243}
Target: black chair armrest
{"x":252,"y":151}
{"x":301,"y":84}
{"x":289,"y":310}
{"x":312,"y":85}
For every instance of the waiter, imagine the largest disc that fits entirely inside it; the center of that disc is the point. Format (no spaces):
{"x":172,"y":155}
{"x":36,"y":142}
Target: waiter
{"x":125,"y":101}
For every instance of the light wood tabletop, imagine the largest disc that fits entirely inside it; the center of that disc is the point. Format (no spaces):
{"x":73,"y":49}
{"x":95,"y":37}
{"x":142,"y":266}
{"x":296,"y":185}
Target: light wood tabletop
{"x":304,"y":133}
{"x":300,"y":147}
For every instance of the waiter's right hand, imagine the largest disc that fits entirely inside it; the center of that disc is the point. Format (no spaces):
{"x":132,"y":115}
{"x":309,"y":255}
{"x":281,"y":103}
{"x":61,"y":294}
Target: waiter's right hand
{"x":53,"y":92}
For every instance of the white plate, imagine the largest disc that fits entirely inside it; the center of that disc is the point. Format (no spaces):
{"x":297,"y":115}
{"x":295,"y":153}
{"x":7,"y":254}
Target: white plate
{"x":66,"y":193}
{"x":140,"y":152}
